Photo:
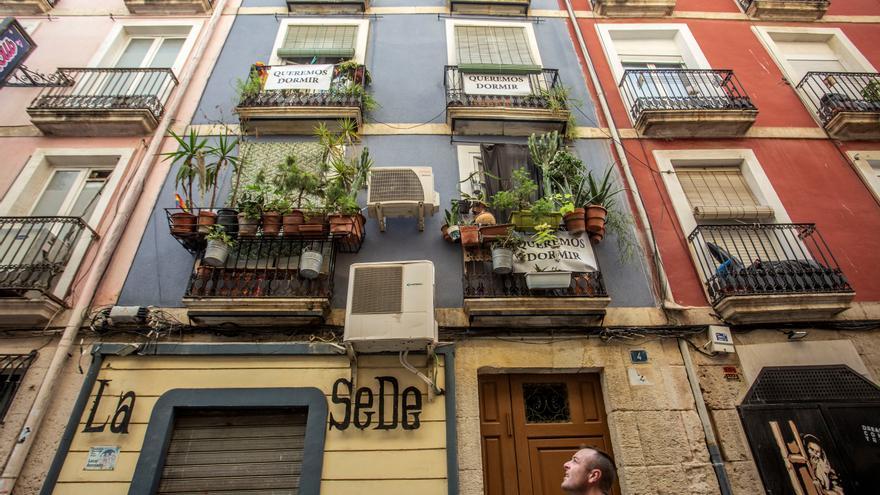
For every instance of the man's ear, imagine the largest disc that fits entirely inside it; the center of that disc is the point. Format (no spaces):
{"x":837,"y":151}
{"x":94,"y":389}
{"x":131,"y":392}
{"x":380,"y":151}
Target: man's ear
{"x":594,"y":476}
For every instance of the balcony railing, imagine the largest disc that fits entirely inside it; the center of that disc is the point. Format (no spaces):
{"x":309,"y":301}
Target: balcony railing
{"x":542,"y":86}
{"x":346,"y":90}
{"x":830,"y":93}
{"x":682,"y":89}
{"x":109,"y":89}
{"x":34,"y":251}
{"x":737,"y":260}
{"x":265,"y":267}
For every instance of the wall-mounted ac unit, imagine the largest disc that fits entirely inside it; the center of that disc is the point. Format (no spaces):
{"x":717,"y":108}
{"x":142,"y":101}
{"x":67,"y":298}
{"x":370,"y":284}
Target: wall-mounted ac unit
{"x":390,"y":306}
{"x":401,"y":192}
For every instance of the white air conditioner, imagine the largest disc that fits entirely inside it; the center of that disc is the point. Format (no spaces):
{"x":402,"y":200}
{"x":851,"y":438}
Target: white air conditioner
{"x":390,"y":306}
{"x":394,"y":192}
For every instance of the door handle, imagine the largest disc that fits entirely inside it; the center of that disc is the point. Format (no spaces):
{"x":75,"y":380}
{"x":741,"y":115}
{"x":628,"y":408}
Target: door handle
{"x":509,"y":424}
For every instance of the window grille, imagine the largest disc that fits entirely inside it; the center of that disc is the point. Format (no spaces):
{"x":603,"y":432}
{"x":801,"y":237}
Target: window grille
{"x":12,"y":370}
{"x":493,"y":46}
{"x":319,"y":41}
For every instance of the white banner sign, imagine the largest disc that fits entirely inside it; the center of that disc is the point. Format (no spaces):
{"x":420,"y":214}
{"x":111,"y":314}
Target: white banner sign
{"x":314,"y":77}
{"x":570,"y":253}
{"x":497,"y":84}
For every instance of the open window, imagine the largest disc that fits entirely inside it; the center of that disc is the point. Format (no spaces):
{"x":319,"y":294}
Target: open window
{"x":488,"y":168}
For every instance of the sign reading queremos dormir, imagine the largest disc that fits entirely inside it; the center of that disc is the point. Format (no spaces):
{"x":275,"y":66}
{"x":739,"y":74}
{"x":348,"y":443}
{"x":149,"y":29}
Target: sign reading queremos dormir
{"x":287,"y":418}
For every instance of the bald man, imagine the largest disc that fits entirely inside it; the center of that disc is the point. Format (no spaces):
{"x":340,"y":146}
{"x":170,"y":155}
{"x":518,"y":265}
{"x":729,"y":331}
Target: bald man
{"x":589,"y":472}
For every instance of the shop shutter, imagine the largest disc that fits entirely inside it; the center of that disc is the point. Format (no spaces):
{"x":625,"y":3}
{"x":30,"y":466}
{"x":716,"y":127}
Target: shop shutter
{"x":492,"y":49}
{"x":319,"y":41}
{"x":226,"y":452}
{"x":720,"y":193}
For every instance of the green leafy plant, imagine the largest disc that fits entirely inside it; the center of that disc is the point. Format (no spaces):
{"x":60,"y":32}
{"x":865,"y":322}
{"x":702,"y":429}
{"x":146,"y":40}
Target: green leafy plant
{"x":295,"y":181}
{"x":250,"y":86}
{"x":250,"y":204}
{"x":566,"y":168}
{"x":564,"y":202}
{"x":518,"y":197}
{"x":544,"y":233}
{"x":278,"y":204}
{"x":218,"y":233}
{"x":543,"y":207}
{"x":543,"y":150}
{"x":224,"y":153}
{"x":603,"y":190}
{"x":871,"y":91}
{"x":350,"y":69}
{"x":191,"y":158}
{"x":511,"y":241}
{"x":451,"y":217}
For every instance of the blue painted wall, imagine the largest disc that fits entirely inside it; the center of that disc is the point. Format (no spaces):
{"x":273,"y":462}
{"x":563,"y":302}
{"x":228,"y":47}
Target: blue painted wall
{"x":406,"y":55}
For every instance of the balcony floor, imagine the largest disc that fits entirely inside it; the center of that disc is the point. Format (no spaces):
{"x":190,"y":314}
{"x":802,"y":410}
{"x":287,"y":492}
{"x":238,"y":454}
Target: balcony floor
{"x":254,"y":312}
{"x":780,"y":308}
{"x":299,"y":120}
{"x":110,"y":122}
{"x":535,"y":311}
{"x":695,"y":123}
{"x":852,"y":126}
{"x":504,"y":121}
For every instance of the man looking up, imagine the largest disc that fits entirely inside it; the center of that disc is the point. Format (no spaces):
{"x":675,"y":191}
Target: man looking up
{"x":589,"y":472}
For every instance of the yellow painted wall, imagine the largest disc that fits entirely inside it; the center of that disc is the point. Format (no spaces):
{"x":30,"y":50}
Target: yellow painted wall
{"x":394,"y":462}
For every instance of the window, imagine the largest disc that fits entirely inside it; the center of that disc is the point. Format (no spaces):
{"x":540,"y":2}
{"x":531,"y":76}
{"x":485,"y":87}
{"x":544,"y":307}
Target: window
{"x":867,"y":164}
{"x":71,"y":192}
{"x":650,"y":46}
{"x":12,"y":370}
{"x":492,"y":46}
{"x":320,"y":41}
{"x":488,"y":168}
{"x":149,"y":45}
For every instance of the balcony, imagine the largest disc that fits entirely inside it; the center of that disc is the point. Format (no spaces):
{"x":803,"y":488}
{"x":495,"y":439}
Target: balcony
{"x":168,"y":7}
{"x":261,"y":284}
{"x":327,"y":6}
{"x":785,"y":10}
{"x":299,"y":111}
{"x":684,"y":103}
{"x":492,"y":101}
{"x":847,"y":103}
{"x":34,"y":254}
{"x":492,"y":300}
{"x":490,"y":7}
{"x":26,"y":7}
{"x":634,"y":8}
{"x":769,"y":273}
{"x":104,"y":102}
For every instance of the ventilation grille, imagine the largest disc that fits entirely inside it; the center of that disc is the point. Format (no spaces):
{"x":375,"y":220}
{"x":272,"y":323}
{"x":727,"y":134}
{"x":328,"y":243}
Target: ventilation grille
{"x":811,"y":384}
{"x":395,"y":185}
{"x":377,"y":290}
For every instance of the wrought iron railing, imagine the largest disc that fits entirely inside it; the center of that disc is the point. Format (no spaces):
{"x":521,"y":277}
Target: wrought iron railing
{"x":265,"y":267}
{"x":682,"y":89}
{"x":347,"y":89}
{"x":737,"y":260}
{"x":544,"y":91}
{"x":110,"y":88}
{"x":480,"y":281}
{"x":830,"y":93}
{"x":12,"y":370}
{"x":34,"y":251}
{"x":745,"y":4}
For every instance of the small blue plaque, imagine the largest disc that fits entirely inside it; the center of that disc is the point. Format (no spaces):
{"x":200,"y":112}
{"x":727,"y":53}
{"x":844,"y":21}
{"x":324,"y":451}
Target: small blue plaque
{"x":638,"y":356}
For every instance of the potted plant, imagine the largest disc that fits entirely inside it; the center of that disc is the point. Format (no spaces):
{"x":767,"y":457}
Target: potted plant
{"x":504,"y":249}
{"x":224,"y":154}
{"x":191,"y":158}
{"x":601,"y":194}
{"x":470,"y":233}
{"x":349,"y":177}
{"x":273,"y":210}
{"x":250,"y":209}
{"x":547,"y":278}
{"x":310,"y":263}
{"x":294,"y":181}
{"x":450,"y":228}
{"x":218,"y":246}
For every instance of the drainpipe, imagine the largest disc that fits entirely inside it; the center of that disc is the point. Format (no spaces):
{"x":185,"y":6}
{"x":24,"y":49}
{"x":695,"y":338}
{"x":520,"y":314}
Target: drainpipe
{"x":668,"y":301}
{"x":41,"y":404}
{"x":711,"y":441}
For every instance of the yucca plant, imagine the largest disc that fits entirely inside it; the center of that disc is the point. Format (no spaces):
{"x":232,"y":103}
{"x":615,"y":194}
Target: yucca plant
{"x":190,"y":155}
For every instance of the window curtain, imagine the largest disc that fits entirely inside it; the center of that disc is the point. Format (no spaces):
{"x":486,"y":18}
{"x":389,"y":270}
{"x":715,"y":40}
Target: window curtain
{"x":499,"y":162}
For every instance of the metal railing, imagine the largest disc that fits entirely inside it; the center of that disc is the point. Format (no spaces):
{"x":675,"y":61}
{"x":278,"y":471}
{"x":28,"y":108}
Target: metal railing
{"x":110,"y":88}
{"x":12,"y":370}
{"x":683,"y":89}
{"x":480,"y":281}
{"x":265,"y":267}
{"x":830,"y":93}
{"x":765,"y":259}
{"x":34,"y":251}
{"x":542,"y":86}
{"x":346,"y":90}
{"x":745,"y":4}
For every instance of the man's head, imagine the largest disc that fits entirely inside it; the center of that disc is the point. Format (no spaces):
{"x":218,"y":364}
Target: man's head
{"x":588,"y":471}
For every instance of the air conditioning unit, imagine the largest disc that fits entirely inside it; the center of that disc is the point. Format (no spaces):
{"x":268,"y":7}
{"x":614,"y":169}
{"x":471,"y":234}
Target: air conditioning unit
{"x":394,"y":192}
{"x":390,"y":306}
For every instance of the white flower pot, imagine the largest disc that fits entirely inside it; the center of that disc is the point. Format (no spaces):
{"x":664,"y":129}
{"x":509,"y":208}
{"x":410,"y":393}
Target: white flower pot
{"x":548,"y":280}
{"x":502,"y":260}
{"x":454,"y":233}
{"x":310,"y":263}
{"x":216,"y":253}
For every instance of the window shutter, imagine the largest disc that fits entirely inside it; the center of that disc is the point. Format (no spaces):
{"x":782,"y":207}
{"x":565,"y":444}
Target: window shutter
{"x":319,"y":41}
{"x":720,"y":193}
{"x":257,"y":451}
{"x":494,"y":49}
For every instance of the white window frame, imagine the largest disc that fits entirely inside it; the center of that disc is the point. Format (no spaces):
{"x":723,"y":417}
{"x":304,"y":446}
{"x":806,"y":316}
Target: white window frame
{"x":865,"y":170}
{"x":33,"y":178}
{"x":360,"y":45}
{"x":452,"y":53}
{"x":118,"y":38}
{"x":469,"y":159}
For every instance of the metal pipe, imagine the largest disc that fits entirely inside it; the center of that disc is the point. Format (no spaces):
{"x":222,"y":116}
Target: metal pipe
{"x":668,"y":301}
{"x":711,"y":441}
{"x":107,"y":247}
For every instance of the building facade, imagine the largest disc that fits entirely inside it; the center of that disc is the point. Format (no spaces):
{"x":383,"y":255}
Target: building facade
{"x":295,"y":283}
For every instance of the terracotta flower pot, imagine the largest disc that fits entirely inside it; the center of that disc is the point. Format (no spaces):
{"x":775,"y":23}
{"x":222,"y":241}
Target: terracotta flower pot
{"x":470,"y":235}
{"x":490,"y":233}
{"x":596,"y":216}
{"x":445,"y":230}
{"x":183,"y":223}
{"x":207,"y":219}
{"x":315,"y":224}
{"x":292,"y":221}
{"x":271,"y":223}
{"x":247,"y":226}
{"x":352,"y":225}
{"x":575,"y":222}
{"x":596,"y":237}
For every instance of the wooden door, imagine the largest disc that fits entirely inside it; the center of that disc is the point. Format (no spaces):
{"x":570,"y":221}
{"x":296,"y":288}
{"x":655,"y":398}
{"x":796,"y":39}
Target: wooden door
{"x":532,"y":424}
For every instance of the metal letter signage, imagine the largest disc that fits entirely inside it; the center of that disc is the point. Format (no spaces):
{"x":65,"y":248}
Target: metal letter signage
{"x":313,"y":77}
{"x":497,"y":84}
{"x":15,"y":46}
{"x":121,"y":418}
{"x":404,"y":411}
{"x":570,"y":253}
